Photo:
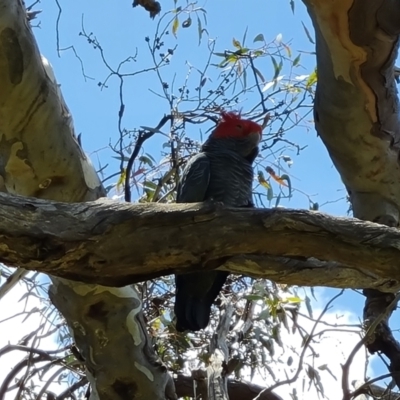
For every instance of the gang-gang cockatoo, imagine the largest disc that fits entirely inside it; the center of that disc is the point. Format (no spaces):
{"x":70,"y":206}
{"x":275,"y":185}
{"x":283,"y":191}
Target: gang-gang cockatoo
{"x":221,"y":172}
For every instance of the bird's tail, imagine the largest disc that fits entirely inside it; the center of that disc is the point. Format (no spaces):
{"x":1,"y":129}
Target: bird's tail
{"x":195,"y":294}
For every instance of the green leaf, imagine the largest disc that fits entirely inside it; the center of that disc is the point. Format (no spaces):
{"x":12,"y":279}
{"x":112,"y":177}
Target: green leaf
{"x":239,"y":68}
{"x":151,"y":157}
{"x":232,"y":58}
{"x":243,"y":50}
{"x":204,"y":15}
{"x":203,"y":82}
{"x":147,"y":196}
{"x":270,"y":194}
{"x":70,"y":359}
{"x":276,"y":334}
{"x":146,"y":160}
{"x":278,"y":199}
{"x":187,"y":23}
{"x":268,"y":344}
{"x":199,"y":30}
{"x":259,"y":38}
{"x":107,"y":189}
{"x":296,"y":61}
{"x":229,"y":58}
{"x":262,"y":181}
{"x":277,"y":67}
{"x":149,"y":184}
{"x":289,"y":183}
{"x":288,"y":50}
{"x":121,"y":179}
{"x":264,"y":315}
{"x":308,"y":306}
{"x":183,"y":341}
{"x":236,"y":43}
{"x":259,"y":74}
{"x":119,"y":158}
{"x":175,"y":26}
{"x":314,"y":206}
{"x":292,"y":5}
{"x":313,"y":293}
{"x":244,"y":78}
{"x":312,"y":79}
{"x":293,"y":299}
{"x":308,"y":33}
{"x":244,"y":36}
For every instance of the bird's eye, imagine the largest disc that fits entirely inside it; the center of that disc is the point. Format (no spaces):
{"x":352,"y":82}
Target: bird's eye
{"x":239,"y":126}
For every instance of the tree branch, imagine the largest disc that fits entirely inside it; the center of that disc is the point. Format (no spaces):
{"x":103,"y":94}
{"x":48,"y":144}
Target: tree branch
{"x":236,"y":390}
{"x":116,"y":244}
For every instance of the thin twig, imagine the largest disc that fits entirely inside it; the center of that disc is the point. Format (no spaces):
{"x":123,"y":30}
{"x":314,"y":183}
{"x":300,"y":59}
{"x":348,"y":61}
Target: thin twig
{"x":144,"y":135}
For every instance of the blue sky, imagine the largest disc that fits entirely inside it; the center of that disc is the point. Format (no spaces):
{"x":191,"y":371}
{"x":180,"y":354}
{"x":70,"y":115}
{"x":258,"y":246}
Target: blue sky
{"x":121,"y":30}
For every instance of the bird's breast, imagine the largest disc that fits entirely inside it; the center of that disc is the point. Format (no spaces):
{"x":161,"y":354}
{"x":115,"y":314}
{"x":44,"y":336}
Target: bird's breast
{"x":231,"y":179}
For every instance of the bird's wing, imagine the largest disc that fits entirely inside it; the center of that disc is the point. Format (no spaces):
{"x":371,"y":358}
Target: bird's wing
{"x":195,"y":292}
{"x":194,"y":180}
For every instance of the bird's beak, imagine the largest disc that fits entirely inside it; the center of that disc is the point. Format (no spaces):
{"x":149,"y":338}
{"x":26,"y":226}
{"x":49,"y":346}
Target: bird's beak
{"x":256,"y":136}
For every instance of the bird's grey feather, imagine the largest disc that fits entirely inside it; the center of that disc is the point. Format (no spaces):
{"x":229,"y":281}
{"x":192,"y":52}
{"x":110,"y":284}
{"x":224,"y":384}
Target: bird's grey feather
{"x":220,"y":173}
{"x":194,"y":180}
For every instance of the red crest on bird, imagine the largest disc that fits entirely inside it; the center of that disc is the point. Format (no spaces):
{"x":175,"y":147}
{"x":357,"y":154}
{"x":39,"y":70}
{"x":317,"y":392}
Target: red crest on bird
{"x":232,"y":125}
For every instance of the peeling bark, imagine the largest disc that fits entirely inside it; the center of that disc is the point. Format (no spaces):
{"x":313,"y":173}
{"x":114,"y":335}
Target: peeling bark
{"x":109,"y":320}
{"x":357,"y":117}
{"x":356,"y":106}
{"x":41,"y":157}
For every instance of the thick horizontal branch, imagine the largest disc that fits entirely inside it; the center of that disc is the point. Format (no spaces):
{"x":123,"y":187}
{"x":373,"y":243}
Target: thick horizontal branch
{"x":116,"y":244}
